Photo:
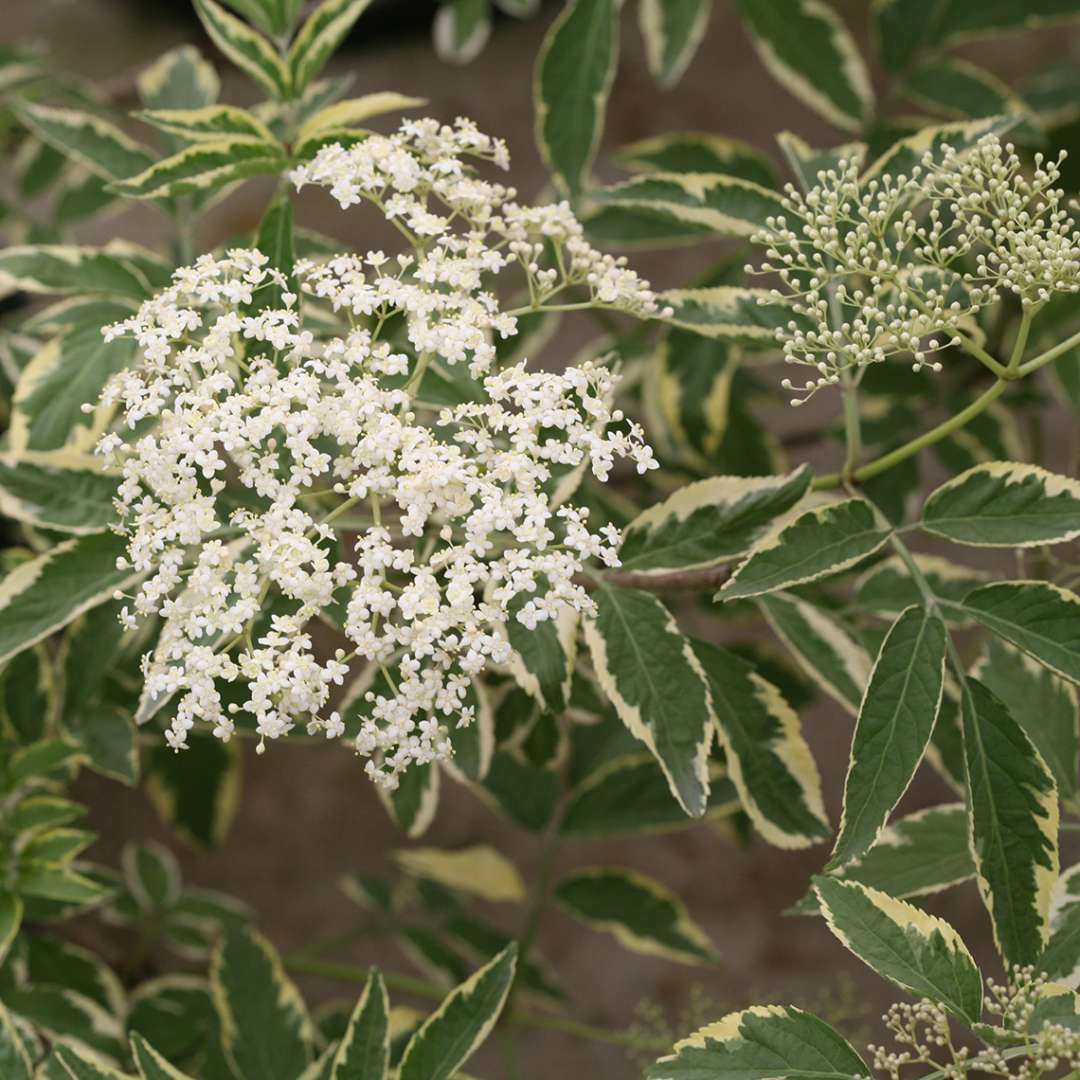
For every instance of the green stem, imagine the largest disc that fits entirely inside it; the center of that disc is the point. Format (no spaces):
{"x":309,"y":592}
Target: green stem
{"x":974,"y":349}
{"x":329,"y":969}
{"x":928,"y":438}
{"x":1020,"y":344}
{"x":852,"y":428}
{"x":1049,"y":356}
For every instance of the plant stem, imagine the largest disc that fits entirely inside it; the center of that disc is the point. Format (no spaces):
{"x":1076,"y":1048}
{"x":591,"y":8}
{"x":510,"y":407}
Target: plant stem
{"x":1049,"y":356}
{"x":928,"y":438}
{"x":1020,"y":344}
{"x":852,"y":428}
{"x":329,"y":969}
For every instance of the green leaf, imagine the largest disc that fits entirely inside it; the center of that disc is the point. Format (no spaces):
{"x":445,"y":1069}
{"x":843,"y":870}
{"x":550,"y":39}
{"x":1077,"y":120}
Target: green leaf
{"x":62,"y":1014}
{"x":1043,"y":705}
{"x":74,"y":500}
{"x":321,"y":34}
{"x":66,"y":373}
{"x":178,"y":79}
{"x":209,"y":123}
{"x":643,"y":915}
{"x":451,"y":1034}
{"x":41,"y":595}
{"x":820,"y":542}
{"x":908,"y":152}
{"x":345,"y":115}
{"x":38,"y":759}
{"x":53,"y":961}
{"x":364,"y":1051}
{"x":15,"y":1062}
{"x":922,"y":853}
{"x":744,"y":316}
{"x":543,"y":655}
{"x":629,"y":794}
{"x":672,"y":30}
{"x":204,"y":166}
{"x":574,"y":73}
{"x":764,"y":1042}
{"x":965,"y":19}
{"x":918,"y":952}
{"x":479,"y":870}
{"x":766,"y":753}
{"x":265,"y":1030}
{"x":901,"y":28}
{"x":708,"y":522}
{"x":706,"y":203}
{"x":55,"y":846}
{"x":809,"y":51}
{"x":824,"y":648}
{"x":526,"y":793}
{"x":1041,"y":619}
{"x":461,"y":30}
{"x":174,"y":1013}
{"x":29,"y":694}
{"x":59,"y":268}
{"x":11,"y":913}
{"x":43,"y":812}
{"x":197,"y":792}
{"x":1060,"y":960}
{"x":413,"y":802}
{"x":897,"y":715}
{"x":652,"y":676}
{"x":152,"y":876}
{"x":1005,"y":504}
{"x":106,"y":735}
{"x":958,"y":88}
{"x":151,"y":1065}
{"x":888,"y":587}
{"x":246,"y":48}
{"x":81,"y":1066}
{"x":1014,"y":824}
{"x":50,"y":882}
{"x":95,"y":143}
{"x":697,"y":152}
{"x":485,"y":941}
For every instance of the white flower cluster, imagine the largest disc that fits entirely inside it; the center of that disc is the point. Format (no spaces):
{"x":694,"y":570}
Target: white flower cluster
{"x":924,"y":1037}
{"x":465,"y":225}
{"x":887,"y":265}
{"x":293,"y":471}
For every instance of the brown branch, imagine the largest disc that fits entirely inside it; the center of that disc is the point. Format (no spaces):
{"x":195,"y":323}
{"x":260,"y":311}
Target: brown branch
{"x":709,"y":577}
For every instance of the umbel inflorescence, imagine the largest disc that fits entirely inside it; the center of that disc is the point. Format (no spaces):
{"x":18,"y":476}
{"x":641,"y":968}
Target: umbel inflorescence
{"x":875,"y":266}
{"x":287,"y":457}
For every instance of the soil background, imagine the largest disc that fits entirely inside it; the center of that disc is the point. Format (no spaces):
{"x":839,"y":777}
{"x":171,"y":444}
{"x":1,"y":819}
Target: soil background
{"x":306,"y":814}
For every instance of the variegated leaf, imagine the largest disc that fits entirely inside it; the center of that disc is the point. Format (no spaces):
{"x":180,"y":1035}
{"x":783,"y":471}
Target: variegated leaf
{"x":697,"y":152}
{"x":205,"y":166}
{"x":766,"y":753}
{"x":650,"y":673}
{"x":764,"y":1042}
{"x":1005,"y":504}
{"x":364,"y":1051}
{"x":672,"y":30}
{"x":246,"y":48}
{"x":1014,"y":824}
{"x":68,"y":494}
{"x":810,"y":52}
{"x":461,"y":30}
{"x":896,"y":717}
{"x":732,"y":313}
{"x":708,"y":522}
{"x":323,"y":31}
{"x":347,"y":114}
{"x":451,"y":1034}
{"x":644,"y":916}
{"x":821,"y":542}
{"x":919,"y":952}
{"x":824,"y":648}
{"x":711,"y":203}
{"x":574,"y":73}
{"x":210,"y":123}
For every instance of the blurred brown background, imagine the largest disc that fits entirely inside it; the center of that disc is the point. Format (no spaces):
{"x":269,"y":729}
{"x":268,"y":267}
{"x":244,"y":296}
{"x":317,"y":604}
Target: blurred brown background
{"x":306,"y":814}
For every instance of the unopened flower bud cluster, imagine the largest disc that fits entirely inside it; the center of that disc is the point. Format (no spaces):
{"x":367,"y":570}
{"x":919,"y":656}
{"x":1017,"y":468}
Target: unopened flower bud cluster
{"x":924,"y":1037}
{"x":879,"y":266}
{"x":274,"y":471}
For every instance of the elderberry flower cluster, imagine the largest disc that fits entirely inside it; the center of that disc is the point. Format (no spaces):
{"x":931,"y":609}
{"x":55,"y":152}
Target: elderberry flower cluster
{"x":1027,"y":1041}
{"x":288,"y":452}
{"x":874,"y":266}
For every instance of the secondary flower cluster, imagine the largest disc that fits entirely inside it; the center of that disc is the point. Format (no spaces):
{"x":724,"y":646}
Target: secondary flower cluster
{"x":881,"y":265}
{"x":292,"y":472}
{"x":1026,"y":1019}
{"x":467,"y":226}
